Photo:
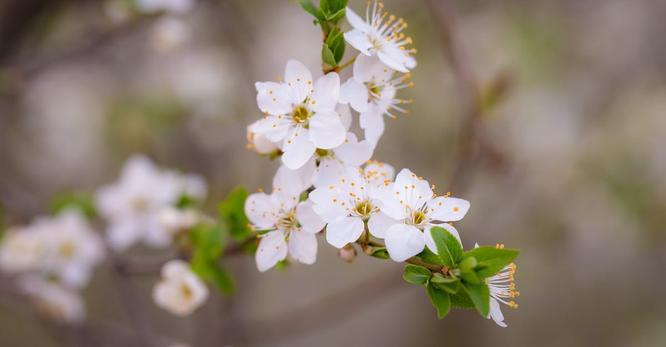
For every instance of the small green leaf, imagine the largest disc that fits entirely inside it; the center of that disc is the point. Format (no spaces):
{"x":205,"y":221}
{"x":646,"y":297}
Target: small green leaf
{"x":440,"y":300}
{"x":448,"y":246}
{"x":336,"y":16}
{"x":429,"y":257}
{"x":439,"y":278}
{"x":490,"y":259}
{"x":282,"y":265}
{"x":232,"y":212}
{"x":379,"y":252}
{"x":327,"y":55}
{"x":336,"y":43}
{"x":186,"y":201}
{"x":310,"y":8}
{"x":451,"y":288}
{"x":416,"y":274}
{"x":77,"y":201}
{"x":468,"y":264}
{"x":461,"y":300}
{"x":470,"y":277}
{"x":480,"y":296}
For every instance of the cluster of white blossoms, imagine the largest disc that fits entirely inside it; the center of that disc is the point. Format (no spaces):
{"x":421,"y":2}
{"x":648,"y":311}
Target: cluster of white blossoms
{"x":53,"y":258}
{"x":139,"y":207}
{"x":307,"y":122}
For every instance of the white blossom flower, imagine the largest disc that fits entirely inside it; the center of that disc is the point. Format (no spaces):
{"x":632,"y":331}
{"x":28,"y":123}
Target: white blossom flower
{"x":347,"y":204}
{"x":371,"y":91}
{"x":258,"y":142}
{"x":410,"y":202}
{"x":375,"y":36}
{"x":132,"y":205}
{"x":287,"y":225}
{"x":299,"y":114}
{"x":174,"y":220}
{"x":53,"y":300}
{"x":502,"y":288}
{"x":72,"y":248}
{"x":180,"y":291}
{"x":332,"y":163}
{"x":170,"y":6}
{"x":22,"y":250}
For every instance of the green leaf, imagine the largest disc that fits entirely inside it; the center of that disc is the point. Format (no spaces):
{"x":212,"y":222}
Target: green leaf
{"x":336,"y":16}
{"x":379,"y":252}
{"x":232,"y":212}
{"x":439,"y":278}
{"x":186,"y":201}
{"x":461,"y":300}
{"x":327,"y":55}
{"x":336,"y":43}
{"x":490,"y":259}
{"x":470,"y":277}
{"x":208,"y":242}
{"x":468,"y":264}
{"x":310,"y":8}
{"x":429,"y":257}
{"x":448,"y":246}
{"x":451,"y":288}
{"x":480,"y":296}
{"x":81,"y":202}
{"x":416,"y":274}
{"x":440,"y":300}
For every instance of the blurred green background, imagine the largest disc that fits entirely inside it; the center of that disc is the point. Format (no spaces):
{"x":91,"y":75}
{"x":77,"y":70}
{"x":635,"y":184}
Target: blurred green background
{"x":577,"y":179}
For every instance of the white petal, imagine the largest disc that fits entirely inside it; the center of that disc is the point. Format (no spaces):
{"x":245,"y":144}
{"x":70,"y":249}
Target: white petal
{"x":298,"y":148}
{"x":373,"y":124}
{"x":428,"y":235}
{"x":326,"y":130}
{"x":123,"y":235}
{"x":294,"y":182}
{"x":359,"y":40}
{"x":396,"y":58}
{"x":272,"y":248}
{"x":496,"y":313}
{"x":309,"y":220}
{"x":379,"y":223}
{"x":272,"y":127}
{"x":391,"y":203}
{"x":260,"y":210}
{"x":326,"y":203}
{"x":403,"y":242}
{"x":303,"y":247}
{"x":356,"y":21}
{"x":343,"y":231}
{"x":328,"y":172}
{"x":354,"y":153}
{"x":414,"y":191}
{"x":448,"y":209}
{"x":299,"y":78}
{"x":274,"y":98}
{"x":370,"y":68}
{"x":345,"y":115}
{"x":326,"y":92}
{"x":355,"y":94}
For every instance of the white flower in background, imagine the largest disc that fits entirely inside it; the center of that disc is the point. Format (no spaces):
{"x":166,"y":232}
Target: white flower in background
{"x":410,"y":202}
{"x":72,"y":247}
{"x":350,"y":202}
{"x":502,"y":288}
{"x":169,"y":6}
{"x":57,"y":302}
{"x":258,"y":142}
{"x":133,"y":204}
{"x":180,"y":291}
{"x":385,"y":39}
{"x":299,"y":114}
{"x":288,"y":226}
{"x":174,"y":220}
{"x":371,"y":91}
{"x":169,"y":33}
{"x":22,"y":250}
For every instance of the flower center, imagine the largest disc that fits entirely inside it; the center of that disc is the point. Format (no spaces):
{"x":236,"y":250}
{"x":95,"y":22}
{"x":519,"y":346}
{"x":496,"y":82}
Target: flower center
{"x":376,"y":42}
{"x":67,"y":249}
{"x":374,"y":91}
{"x":186,"y":291}
{"x":287,"y":222}
{"x":140,"y":204}
{"x":301,"y":114}
{"x":323,"y":153}
{"x":364,"y":208}
{"x":418,"y":217}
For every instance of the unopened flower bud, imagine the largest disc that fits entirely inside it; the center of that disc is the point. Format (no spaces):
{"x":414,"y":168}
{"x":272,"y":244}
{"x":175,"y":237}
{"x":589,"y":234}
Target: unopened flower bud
{"x":347,"y":253}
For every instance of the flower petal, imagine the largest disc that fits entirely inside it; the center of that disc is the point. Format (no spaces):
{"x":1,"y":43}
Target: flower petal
{"x":413,"y":190}
{"x":356,"y":21}
{"x":309,"y":220}
{"x":326,"y":92}
{"x":299,"y":78}
{"x":379,"y":223}
{"x":354,"y":153}
{"x":260,"y":210}
{"x":303,"y":247}
{"x":371,"y":69}
{"x":294,"y":182}
{"x":448,"y":209}
{"x":343,"y":231}
{"x":345,"y":115}
{"x":328,"y":172}
{"x":272,"y":127}
{"x":326,"y":130}
{"x":496,"y":313}
{"x":373,"y":124}
{"x":359,"y":40}
{"x":355,"y":94}
{"x":272,"y":248}
{"x":298,"y":148}
{"x":403,"y":242}
{"x":273,"y":98}
{"x":327,"y":203}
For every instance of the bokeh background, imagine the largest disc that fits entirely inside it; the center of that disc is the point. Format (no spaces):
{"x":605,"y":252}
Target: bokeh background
{"x":573,"y":170}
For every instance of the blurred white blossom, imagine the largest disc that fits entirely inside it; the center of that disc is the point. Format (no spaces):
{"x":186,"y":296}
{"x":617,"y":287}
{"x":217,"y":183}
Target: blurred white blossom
{"x":180,"y":291}
{"x":53,"y":300}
